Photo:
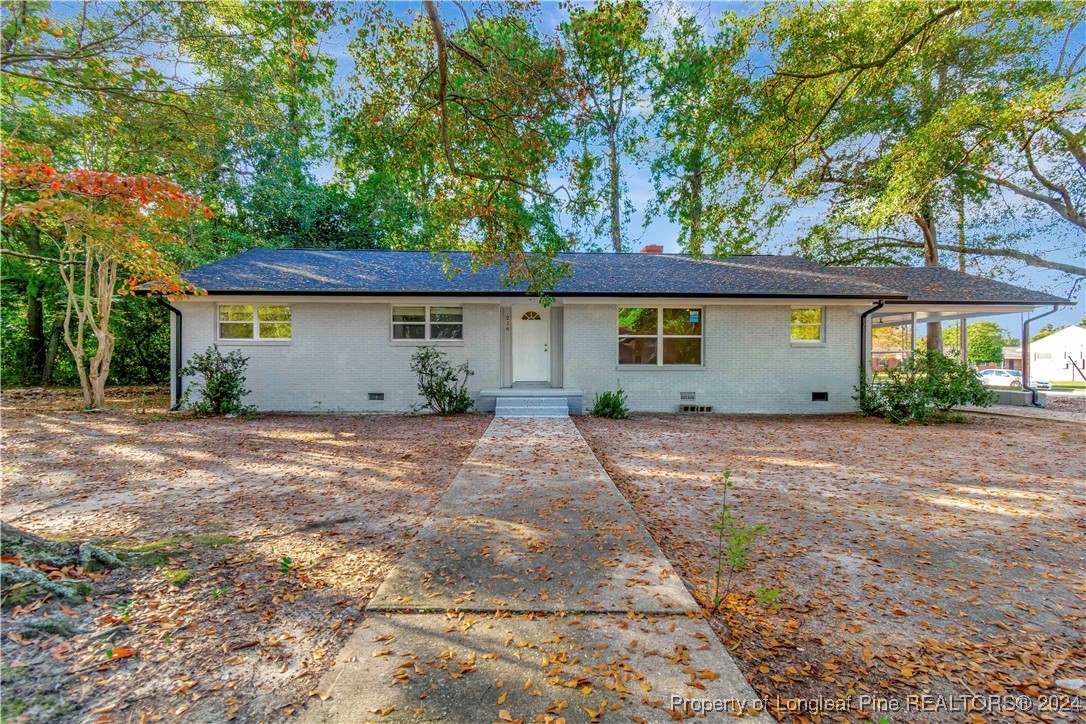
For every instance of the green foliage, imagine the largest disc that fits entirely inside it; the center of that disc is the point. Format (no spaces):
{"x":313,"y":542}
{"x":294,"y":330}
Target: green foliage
{"x":922,"y":389}
{"x":608,"y":46}
{"x":732,"y":550}
{"x":443,"y":386}
{"x":688,"y":81}
{"x":612,"y":404}
{"x":221,"y":384}
{"x":895,"y":115}
{"x":178,"y":577}
{"x":986,"y":341}
{"x":459,"y":120}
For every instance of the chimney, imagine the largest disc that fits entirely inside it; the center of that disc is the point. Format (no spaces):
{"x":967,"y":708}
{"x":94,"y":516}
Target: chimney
{"x":652,"y":249}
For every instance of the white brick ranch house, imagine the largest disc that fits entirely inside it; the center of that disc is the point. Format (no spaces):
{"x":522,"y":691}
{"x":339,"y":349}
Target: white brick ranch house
{"x":335,"y":330}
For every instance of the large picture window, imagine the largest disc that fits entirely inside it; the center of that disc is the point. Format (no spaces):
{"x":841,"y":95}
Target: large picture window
{"x":254,"y":321}
{"x":425,"y":323}
{"x":808,"y":325}
{"x":659,"y":336}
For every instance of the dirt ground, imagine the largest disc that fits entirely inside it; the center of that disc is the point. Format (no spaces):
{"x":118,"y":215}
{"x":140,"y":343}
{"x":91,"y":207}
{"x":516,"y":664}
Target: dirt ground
{"x":910,"y":561}
{"x":260,"y":541}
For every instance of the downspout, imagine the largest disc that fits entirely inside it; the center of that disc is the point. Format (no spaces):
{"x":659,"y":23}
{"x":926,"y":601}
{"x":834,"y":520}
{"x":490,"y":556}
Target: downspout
{"x":178,"y":357}
{"x":863,"y":338}
{"x":1025,"y":353}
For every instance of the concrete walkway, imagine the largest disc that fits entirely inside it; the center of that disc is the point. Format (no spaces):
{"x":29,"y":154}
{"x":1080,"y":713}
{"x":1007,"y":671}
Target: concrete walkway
{"x":533,"y":591}
{"x":1034,"y":413}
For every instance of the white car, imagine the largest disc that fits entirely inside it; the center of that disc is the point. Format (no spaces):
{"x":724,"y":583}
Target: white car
{"x":1010,"y":378}
{"x":1001,"y":378}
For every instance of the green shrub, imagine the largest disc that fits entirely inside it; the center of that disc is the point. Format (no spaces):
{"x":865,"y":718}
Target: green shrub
{"x":221,"y":383}
{"x":611,"y":404}
{"x":922,"y":389}
{"x":442,"y":386}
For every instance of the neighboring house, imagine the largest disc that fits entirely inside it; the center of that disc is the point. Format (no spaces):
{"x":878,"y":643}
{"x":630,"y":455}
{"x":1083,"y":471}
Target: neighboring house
{"x":1012,"y":360}
{"x":335,"y":330}
{"x":1059,"y":357}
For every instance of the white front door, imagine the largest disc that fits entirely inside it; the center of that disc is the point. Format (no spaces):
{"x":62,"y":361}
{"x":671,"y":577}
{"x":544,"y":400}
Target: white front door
{"x":531,"y":343}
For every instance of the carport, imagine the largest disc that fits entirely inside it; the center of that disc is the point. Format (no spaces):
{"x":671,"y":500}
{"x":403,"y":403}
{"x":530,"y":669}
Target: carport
{"x":935,"y":294}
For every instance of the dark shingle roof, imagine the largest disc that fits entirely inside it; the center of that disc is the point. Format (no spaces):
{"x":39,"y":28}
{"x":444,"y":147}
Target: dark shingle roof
{"x":310,"y":271}
{"x":936,"y":284}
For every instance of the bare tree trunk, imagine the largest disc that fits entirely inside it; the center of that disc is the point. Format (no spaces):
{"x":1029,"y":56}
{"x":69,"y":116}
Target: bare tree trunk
{"x":51,"y":353}
{"x":697,"y":243}
{"x":926,"y":221}
{"x":35,"y":330}
{"x":614,"y":182}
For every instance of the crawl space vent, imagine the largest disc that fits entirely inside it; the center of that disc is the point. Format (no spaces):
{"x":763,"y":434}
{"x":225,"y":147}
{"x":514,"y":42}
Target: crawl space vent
{"x":377,"y":395}
{"x":695,"y":408}
{"x":687,"y":396}
{"x":820,"y":397}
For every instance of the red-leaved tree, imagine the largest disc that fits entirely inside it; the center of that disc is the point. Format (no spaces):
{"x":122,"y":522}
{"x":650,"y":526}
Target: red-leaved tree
{"x":104,"y":226}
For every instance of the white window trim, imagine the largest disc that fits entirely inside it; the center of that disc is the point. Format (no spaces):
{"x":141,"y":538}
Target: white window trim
{"x":256,"y":340}
{"x":425,"y":341}
{"x":659,"y":337}
{"x":820,"y":342}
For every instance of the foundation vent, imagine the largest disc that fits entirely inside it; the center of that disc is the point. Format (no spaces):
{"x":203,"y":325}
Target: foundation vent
{"x":377,"y":396}
{"x":820,"y":397}
{"x":695,"y":408}
{"x":687,"y":396}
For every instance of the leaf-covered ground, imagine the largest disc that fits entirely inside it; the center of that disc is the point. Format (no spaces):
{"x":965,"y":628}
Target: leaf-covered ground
{"x":261,"y":543}
{"x":911,"y":561}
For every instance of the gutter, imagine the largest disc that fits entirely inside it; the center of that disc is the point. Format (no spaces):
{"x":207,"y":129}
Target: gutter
{"x":178,"y":357}
{"x":1025,"y":353}
{"x":863,"y":337}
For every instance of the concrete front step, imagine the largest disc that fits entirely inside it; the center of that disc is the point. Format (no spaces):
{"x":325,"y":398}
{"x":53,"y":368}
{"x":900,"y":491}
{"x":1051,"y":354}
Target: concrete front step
{"x":531,"y":407}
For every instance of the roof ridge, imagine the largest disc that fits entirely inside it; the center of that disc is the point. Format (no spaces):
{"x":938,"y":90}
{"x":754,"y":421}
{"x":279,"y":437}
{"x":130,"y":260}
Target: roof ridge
{"x":678,"y":255}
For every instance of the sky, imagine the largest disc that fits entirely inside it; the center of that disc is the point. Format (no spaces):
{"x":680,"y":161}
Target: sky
{"x":642,"y":230}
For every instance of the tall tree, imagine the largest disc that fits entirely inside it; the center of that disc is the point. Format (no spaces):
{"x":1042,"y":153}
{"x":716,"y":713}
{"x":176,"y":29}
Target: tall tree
{"x":462,"y":116}
{"x":101,"y":225}
{"x":609,"y":49}
{"x":888,"y":111}
{"x":687,"y":78}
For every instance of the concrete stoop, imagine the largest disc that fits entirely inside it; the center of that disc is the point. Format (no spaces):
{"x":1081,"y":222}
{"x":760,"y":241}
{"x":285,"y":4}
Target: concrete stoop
{"x":531,"y":407}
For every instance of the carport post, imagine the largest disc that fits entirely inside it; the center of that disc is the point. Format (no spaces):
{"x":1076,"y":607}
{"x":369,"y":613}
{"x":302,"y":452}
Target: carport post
{"x":963,"y":340}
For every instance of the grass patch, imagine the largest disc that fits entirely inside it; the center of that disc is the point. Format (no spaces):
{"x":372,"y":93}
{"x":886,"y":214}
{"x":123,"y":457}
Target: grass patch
{"x":157,"y":553}
{"x":207,"y":540}
{"x":177,"y":577}
{"x":1076,"y":385}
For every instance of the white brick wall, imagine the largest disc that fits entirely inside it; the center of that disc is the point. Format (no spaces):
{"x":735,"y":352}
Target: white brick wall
{"x":750,"y":364}
{"x":339,"y":353}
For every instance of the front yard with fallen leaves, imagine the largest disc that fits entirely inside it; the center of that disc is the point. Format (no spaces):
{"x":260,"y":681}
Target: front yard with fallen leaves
{"x":911,"y":561}
{"x":258,"y":544}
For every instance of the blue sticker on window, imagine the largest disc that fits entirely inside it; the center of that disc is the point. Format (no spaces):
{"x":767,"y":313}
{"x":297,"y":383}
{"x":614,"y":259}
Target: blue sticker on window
{"x":693,"y":317}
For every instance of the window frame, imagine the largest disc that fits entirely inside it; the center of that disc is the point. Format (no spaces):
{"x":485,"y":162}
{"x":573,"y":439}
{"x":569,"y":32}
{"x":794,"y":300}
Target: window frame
{"x":821,"y":341}
{"x":255,"y":321}
{"x":659,"y":336}
{"x":426,"y":339}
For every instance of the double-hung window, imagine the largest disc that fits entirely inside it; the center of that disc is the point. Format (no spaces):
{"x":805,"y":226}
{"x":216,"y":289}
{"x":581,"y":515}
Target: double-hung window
{"x":427,"y":323}
{"x":659,"y":336}
{"x":254,"y":321}
{"x":808,"y":325}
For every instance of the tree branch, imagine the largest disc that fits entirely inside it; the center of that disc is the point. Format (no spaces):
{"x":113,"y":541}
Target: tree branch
{"x":35,"y":257}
